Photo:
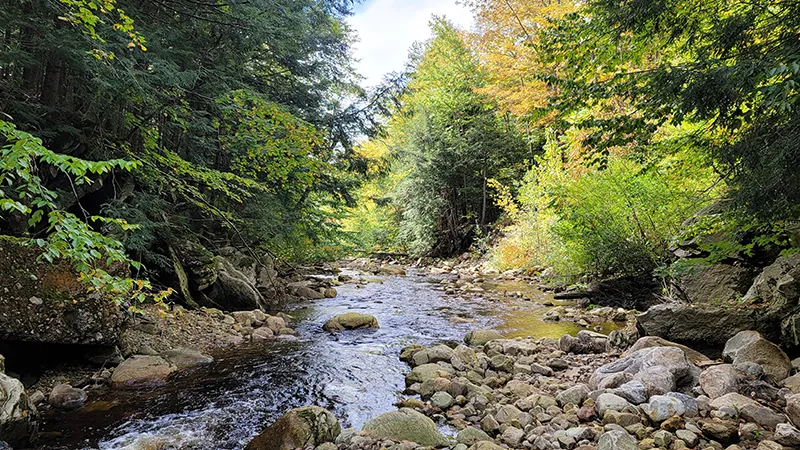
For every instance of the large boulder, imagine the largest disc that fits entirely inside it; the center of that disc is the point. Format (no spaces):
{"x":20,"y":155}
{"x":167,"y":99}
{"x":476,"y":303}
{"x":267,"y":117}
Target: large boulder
{"x":405,"y":425}
{"x":715,"y":283}
{"x":231,"y":280}
{"x":141,"y":371}
{"x":778,"y":286}
{"x":350,"y":321}
{"x":750,"y":347}
{"x":18,"y":424}
{"x":624,"y":369}
{"x":717,"y":381}
{"x":655,"y":341}
{"x":305,"y":427}
{"x":702,"y":325}
{"x":45,"y":302}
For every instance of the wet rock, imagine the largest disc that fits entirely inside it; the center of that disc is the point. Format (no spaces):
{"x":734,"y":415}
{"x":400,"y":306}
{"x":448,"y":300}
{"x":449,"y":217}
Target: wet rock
{"x":471,"y":436}
{"x":64,"y":396}
{"x":732,"y":400}
{"x":18,"y":424}
{"x":405,"y":425}
{"x":184,"y":358}
{"x":140,"y":371}
{"x":616,"y":440}
{"x":350,"y":321}
{"x":506,"y":414}
{"x":481,"y":337}
{"x":304,"y":427}
{"x":750,"y":346}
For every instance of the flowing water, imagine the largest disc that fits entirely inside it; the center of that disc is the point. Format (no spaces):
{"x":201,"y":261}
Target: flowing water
{"x":356,"y":374}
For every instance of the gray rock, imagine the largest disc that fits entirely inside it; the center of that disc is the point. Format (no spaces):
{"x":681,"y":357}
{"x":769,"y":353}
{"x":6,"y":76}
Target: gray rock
{"x":662,"y":438}
{"x":405,"y":425}
{"x":662,"y":407}
{"x":472,"y":435}
{"x":672,"y":358}
{"x":184,"y":358}
{"x":750,"y":346}
{"x":690,"y":404}
{"x":442,"y":400}
{"x":793,"y":409}
{"x":658,"y":380}
{"x":18,"y":424}
{"x":690,"y":438}
{"x":761,"y":415}
{"x":507,"y":414}
{"x":616,"y":440}
{"x":717,"y":381}
{"x":308,"y":426}
{"x":787,"y":435}
{"x":512,"y":436}
{"x":575,"y":395}
{"x":610,"y":402}
{"x":633,"y":391}
{"x":654,"y":341}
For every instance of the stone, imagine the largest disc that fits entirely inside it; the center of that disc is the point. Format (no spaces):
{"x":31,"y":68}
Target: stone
{"x":503,"y":363}
{"x":732,"y":400}
{"x":481,"y":337}
{"x":262,"y":334}
{"x":507,"y":414}
{"x":512,"y":436}
{"x":761,"y":415}
{"x":717,"y":381}
{"x":471,"y":436}
{"x":793,"y":409}
{"x":184,"y":358}
{"x":275,"y":324}
{"x":585,"y":342}
{"x":662,"y":407}
{"x":769,"y":445}
{"x":405,"y":425}
{"x":633,"y":391}
{"x":714,"y":283}
{"x":662,"y":438}
{"x":232,"y":280}
{"x":434,"y":354}
{"x":698,"y":325}
{"x":64,"y":396}
{"x":792,"y":383}
{"x":442,"y":400}
{"x":350,"y":321}
{"x":308,"y":426}
{"x":673,"y":424}
{"x":616,"y":440}
{"x":426,"y":372}
{"x":725,"y":432}
{"x":690,"y":438}
{"x":18,"y":415}
{"x":485,"y":445}
{"x":654,"y":341}
{"x":750,"y":346}
{"x":141,"y":371}
{"x":672,"y":358}
{"x":657,"y":380}
{"x":787,"y":435}
{"x":575,"y":395}
{"x":610,"y":402}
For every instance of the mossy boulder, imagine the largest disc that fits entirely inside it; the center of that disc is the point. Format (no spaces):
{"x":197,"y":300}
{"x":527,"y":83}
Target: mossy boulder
{"x":350,"y":321}
{"x":45,"y":302}
{"x":305,"y":427}
{"x":406,"y":425}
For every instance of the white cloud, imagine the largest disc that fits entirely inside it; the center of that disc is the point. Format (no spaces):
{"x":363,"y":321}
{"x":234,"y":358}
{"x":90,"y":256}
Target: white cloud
{"x":387,"y":28}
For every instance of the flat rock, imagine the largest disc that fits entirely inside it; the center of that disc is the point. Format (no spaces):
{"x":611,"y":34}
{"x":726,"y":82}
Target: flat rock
{"x":140,"y":371}
{"x":350,"y":321}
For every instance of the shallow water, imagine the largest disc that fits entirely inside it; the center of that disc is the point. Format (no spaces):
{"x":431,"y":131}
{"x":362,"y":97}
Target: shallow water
{"x":356,"y":374}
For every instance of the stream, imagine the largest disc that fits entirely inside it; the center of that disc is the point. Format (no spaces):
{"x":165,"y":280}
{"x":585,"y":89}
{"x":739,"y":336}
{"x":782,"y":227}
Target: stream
{"x":355,"y":374}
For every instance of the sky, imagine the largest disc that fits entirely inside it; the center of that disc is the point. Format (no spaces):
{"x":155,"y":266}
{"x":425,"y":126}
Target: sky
{"x":387,"y":28}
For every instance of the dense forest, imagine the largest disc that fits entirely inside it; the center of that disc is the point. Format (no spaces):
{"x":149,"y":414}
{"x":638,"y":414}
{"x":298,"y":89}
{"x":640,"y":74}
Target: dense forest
{"x":578,"y":136}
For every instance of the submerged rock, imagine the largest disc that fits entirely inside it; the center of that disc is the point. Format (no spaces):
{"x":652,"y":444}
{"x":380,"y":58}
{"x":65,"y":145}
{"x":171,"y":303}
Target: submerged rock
{"x":304,"y":427}
{"x":405,"y":425}
{"x":350,"y":321}
{"x":140,"y":371}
